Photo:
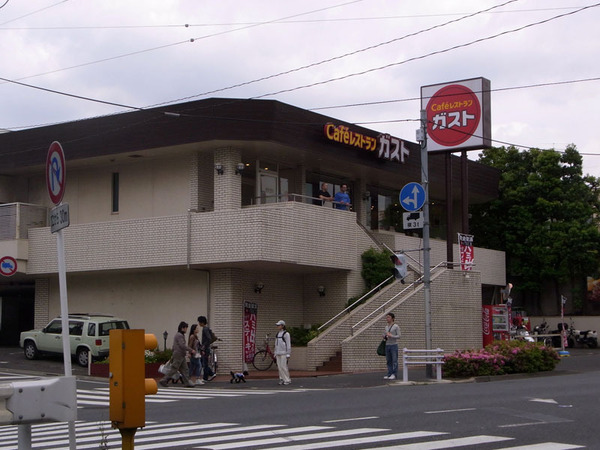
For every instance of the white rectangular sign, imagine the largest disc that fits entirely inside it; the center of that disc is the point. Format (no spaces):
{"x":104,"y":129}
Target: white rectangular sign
{"x":59,"y":217}
{"x":413,"y":220}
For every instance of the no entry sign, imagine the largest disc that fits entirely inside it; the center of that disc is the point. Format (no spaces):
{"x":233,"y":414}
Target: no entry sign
{"x":55,"y":172}
{"x":458,"y":115}
{"x":8,"y":266}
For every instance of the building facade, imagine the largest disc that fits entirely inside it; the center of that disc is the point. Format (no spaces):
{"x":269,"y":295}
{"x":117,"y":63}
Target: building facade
{"x":188,"y":209}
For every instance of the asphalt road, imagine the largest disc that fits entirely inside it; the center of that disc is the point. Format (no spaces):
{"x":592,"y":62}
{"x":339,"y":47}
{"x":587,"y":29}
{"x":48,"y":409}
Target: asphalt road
{"x":550,"y":411}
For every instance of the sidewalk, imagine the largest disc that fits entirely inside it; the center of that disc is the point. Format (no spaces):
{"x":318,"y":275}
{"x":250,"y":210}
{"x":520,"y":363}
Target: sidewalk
{"x":580,"y":360}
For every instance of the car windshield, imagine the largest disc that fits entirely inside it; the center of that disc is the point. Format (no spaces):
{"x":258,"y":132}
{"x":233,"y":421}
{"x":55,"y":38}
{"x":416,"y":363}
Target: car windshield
{"x":105,"y":327}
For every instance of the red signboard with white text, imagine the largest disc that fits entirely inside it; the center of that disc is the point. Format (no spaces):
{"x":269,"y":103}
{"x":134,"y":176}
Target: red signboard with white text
{"x":458,"y":115}
{"x":250,"y":312}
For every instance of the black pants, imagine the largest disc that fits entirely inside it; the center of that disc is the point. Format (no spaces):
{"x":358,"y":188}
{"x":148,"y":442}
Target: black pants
{"x":206,"y":370}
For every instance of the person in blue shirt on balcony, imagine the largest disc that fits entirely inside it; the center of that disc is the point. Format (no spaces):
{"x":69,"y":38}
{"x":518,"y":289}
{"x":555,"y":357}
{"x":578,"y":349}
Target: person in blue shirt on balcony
{"x":342,"y":199}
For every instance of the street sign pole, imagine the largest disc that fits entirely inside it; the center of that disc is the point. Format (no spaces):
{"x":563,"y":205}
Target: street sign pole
{"x":422,"y":137}
{"x":56,"y":182}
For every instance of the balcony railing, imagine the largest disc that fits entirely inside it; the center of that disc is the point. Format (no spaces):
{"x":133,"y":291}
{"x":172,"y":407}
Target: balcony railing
{"x":17,"y":218}
{"x":266,"y":199}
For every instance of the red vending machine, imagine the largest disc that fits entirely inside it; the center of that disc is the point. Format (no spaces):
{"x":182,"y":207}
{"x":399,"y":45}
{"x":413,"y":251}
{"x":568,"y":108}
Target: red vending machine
{"x":496,"y":326}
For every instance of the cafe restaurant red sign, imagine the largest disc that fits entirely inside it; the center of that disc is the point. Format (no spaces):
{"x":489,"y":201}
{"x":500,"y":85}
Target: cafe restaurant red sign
{"x":458,"y":115}
{"x":385,"y":146}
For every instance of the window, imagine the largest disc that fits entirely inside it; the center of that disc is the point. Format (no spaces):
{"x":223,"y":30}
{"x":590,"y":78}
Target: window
{"x":75,"y":328}
{"x":115,"y":192}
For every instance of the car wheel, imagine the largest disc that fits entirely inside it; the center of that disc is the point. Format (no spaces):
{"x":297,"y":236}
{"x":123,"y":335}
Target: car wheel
{"x":30,"y":350}
{"x":83,"y":356}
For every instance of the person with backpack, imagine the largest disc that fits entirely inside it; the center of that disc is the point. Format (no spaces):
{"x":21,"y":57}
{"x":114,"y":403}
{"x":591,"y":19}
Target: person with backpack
{"x":206,"y":340}
{"x":283,"y":348}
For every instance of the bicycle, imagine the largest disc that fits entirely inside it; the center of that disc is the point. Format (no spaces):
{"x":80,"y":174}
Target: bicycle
{"x":264,"y":358}
{"x":213,"y":360}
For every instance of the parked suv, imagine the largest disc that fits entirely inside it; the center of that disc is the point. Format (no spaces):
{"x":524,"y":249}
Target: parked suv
{"x":88,"y":334}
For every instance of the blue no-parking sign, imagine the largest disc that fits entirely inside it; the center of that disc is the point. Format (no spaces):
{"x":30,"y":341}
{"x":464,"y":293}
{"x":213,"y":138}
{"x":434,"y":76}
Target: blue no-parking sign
{"x":412,"y":196}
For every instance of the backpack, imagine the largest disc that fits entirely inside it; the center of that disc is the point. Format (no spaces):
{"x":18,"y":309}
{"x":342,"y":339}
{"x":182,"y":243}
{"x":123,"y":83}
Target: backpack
{"x":282,"y":338}
{"x":213,"y":337}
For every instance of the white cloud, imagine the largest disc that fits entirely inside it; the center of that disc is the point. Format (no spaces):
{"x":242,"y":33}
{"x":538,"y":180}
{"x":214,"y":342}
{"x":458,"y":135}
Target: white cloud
{"x":229,"y":48}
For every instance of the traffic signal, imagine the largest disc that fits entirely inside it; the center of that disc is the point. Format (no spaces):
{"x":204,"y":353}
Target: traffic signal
{"x":400,"y":267}
{"x":128,"y":382}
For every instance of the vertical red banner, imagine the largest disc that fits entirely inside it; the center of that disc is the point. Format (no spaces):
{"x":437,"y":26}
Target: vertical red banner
{"x":465,"y":242}
{"x":250,"y":312}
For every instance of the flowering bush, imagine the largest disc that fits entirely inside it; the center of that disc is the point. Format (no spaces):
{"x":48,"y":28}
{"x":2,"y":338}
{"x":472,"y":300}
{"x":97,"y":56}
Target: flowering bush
{"x":501,"y":357}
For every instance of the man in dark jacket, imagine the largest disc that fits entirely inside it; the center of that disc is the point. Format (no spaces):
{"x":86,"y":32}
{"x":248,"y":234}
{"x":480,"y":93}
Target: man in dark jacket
{"x":207,"y":373}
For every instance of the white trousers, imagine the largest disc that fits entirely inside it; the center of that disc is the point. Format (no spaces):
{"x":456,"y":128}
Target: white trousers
{"x":282,"y":365}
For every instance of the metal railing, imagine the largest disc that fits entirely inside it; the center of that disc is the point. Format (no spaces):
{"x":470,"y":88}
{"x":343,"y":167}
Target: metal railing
{"x":352,"y":305}
{"x":17,"y":218}
{"x":282,"y":198}
{"x":383,"y":306}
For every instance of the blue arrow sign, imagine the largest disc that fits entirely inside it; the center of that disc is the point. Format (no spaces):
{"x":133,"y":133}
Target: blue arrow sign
{"x":412,"y":196}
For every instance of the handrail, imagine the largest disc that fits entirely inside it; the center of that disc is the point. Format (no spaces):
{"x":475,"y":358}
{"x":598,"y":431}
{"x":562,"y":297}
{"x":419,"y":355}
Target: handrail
{"x":353,"y":303}
{"x":282,"y":198}
{"x":417,"y":281}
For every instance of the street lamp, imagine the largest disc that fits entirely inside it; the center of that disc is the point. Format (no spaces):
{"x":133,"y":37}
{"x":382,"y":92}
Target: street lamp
{"x":165,"y":335}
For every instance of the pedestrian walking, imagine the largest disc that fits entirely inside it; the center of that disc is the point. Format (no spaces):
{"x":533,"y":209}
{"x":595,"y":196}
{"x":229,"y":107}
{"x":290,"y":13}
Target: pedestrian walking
{"x":205,"y":341}
{"x":391,"y":336}
{"x":195,"y":359}
{"x":283,"y":349}
{"x":178,"y":361}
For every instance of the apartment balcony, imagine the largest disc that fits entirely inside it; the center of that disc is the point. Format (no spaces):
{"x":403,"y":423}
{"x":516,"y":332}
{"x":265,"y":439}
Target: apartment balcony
{"x":290,"y":236}
{"x":16,"y":220}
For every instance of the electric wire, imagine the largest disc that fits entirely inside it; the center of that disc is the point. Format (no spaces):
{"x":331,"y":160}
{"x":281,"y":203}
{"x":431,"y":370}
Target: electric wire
{"x":335,"y":58}
{"x":186,"y":41}
{"x":229,"y":24}
{"x":416,"y":58}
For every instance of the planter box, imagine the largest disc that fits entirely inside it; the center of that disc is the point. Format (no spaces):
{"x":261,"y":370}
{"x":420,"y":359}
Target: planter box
{"x":102,"y":370}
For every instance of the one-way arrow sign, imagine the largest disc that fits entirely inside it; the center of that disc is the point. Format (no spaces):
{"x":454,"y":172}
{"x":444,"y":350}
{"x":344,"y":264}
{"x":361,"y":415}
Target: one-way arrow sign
{"x":412,"y":197}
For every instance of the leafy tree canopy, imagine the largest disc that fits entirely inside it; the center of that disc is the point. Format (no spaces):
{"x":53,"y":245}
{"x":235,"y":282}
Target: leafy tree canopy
{"x":545,"y":218}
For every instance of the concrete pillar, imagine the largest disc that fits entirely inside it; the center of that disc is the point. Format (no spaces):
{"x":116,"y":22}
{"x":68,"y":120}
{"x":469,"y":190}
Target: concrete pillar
{"x":225,"y":316}
{"x":228,"y":185}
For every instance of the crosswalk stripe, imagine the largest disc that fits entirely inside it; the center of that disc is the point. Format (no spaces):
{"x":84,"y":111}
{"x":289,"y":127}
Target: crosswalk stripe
{"x":358,"y":440}
{"x":205,"y":439}
{"x":545,"y":446}
{"x":449,"y":443}
{"x":286,"y":439}
{"x":227,"y":435}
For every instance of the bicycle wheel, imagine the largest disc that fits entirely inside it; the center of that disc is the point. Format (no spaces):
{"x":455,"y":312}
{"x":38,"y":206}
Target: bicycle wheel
{"x":262,"y":360}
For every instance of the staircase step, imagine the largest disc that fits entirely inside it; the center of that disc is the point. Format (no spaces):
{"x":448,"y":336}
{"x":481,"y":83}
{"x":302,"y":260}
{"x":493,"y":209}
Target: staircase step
{"x":333,"y":365}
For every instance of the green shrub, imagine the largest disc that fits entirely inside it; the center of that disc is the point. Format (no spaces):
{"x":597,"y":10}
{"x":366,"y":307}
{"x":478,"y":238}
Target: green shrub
{"x":302,"y":336}
{"x":376,"y":267}
{"x":501,"y":357}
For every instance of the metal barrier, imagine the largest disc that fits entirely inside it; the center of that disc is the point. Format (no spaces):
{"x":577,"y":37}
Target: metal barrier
{"x":422,"y":357}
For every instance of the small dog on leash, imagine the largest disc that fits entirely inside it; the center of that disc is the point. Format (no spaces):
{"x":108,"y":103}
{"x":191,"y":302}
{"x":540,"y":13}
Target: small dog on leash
{"x":239,"y":376}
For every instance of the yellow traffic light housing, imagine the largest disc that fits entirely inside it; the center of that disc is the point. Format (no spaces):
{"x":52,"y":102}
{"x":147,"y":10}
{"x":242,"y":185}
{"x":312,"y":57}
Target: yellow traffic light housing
{"x":128,"y":383}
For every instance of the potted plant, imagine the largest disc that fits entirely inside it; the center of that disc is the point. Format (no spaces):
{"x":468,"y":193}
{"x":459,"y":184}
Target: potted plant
{"x":152,"y":358}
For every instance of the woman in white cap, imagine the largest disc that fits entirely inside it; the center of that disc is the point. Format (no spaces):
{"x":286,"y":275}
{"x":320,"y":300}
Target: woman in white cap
{"x":283,"y":348}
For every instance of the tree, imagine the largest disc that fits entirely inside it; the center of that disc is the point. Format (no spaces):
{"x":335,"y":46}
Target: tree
{"x":546,"y":219}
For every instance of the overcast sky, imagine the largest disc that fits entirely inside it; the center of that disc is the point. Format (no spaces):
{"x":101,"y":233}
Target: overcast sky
{"x":367,"y":60}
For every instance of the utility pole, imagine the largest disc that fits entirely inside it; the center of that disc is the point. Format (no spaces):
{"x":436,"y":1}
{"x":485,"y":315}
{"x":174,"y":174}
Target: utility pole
{"x":422,"y":138}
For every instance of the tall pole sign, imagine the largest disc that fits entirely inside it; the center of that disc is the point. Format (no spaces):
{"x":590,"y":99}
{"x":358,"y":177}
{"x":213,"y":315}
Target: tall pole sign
{"x":458,"y":115}
{"x":59,"y":219}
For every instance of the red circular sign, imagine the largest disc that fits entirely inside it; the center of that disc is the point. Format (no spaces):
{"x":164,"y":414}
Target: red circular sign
{"x":55,"y":172}
{"x":453,"y":115}
{"x":8,"y":266}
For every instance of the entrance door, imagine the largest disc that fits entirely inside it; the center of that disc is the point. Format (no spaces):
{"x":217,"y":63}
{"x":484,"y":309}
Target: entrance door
{"x":268,"y":187}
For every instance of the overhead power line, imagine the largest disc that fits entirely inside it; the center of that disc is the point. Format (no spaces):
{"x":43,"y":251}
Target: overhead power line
{"x":335,"y":58}
{"x":438,"y":52}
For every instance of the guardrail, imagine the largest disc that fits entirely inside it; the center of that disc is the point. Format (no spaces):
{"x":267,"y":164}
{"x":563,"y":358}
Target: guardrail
{"x":422,"y":357}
